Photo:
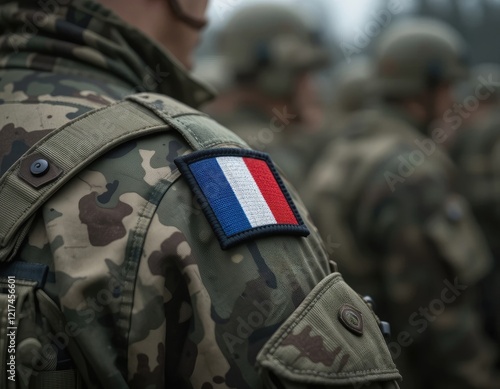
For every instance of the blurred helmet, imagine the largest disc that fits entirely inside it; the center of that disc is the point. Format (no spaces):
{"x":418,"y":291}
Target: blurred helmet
{"x":349,"y":82}
{"x":268,"y":45}
{"x":416,"y":54}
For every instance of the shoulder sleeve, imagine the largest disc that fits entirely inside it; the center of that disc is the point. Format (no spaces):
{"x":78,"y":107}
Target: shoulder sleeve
{"x":220,"y":306}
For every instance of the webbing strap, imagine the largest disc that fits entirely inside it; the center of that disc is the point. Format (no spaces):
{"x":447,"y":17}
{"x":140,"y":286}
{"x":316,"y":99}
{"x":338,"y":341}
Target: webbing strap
{"x":70,"y":147}
{"x":199,"y":130}
{"x":76,"y":144}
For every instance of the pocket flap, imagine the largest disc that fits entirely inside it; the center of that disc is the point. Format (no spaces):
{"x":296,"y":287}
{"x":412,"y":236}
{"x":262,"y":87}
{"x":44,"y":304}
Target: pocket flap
{"x":331,"y":339}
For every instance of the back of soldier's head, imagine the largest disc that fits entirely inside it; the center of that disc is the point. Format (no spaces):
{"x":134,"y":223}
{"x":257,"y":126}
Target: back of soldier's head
{"x":267,"y":45}
{"x":417,"y":54}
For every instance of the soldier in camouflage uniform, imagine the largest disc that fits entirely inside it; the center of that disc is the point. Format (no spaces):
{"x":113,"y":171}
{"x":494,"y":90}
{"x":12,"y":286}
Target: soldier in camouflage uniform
{"x":271,"y":53}
{"x":475,"y":150}
{"x":349,"y":85}
{"x":140,"y":272}
{"x":383,"y":195}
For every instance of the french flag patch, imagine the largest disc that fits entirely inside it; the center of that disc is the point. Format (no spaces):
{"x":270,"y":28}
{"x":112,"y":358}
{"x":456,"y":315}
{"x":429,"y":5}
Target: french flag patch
{"x":241,"y":194}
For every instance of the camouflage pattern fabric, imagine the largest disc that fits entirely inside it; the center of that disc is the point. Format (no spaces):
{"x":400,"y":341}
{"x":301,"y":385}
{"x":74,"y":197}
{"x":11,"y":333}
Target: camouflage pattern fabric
{"x":382,"y":198}
{"x":475,"y":152}
{"x":146,"y":292}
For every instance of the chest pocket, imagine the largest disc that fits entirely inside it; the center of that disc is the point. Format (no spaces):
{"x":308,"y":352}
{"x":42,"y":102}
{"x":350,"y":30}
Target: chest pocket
{"x":332,"y":340}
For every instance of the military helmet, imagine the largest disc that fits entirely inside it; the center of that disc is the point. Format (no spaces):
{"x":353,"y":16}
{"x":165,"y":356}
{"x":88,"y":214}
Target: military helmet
{"x":416,"y":54}
{"x":268,"y":45}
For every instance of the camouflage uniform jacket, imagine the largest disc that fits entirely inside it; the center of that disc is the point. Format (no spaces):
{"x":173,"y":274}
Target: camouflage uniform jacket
{"x":382,"y":198}
{"x":476,"y":151}
{"x":149,"y":297}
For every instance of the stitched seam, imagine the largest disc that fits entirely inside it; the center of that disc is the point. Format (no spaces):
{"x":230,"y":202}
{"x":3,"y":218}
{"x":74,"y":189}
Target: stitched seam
{"x":190,"y":130}
{"x":179,"y":115}
{"x":134,"y":254}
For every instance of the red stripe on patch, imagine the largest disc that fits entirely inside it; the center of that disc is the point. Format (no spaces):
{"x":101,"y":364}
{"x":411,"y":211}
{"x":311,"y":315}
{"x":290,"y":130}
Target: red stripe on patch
{"x":271,"y":191}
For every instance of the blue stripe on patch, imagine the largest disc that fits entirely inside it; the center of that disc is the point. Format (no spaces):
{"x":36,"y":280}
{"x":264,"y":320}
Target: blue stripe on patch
{"x":220,"y":196}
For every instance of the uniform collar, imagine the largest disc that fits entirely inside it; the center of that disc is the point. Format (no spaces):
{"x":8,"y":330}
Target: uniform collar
{"x":84,"y":38}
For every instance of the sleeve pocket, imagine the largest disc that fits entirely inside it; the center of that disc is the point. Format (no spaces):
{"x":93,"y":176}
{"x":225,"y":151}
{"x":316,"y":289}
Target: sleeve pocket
{"x":332,"y":340}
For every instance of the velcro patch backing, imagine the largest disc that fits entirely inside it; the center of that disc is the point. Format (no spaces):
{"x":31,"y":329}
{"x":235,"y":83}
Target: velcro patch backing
{"x":241,"y":194}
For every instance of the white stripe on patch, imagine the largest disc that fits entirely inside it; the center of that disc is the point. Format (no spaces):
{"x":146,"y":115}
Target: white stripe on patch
{"x":246,"y":190}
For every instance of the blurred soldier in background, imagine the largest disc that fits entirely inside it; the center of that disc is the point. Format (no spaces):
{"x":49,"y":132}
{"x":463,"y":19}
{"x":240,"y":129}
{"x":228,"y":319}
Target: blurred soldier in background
{"x":383,"y":192}
{"x":476,"y":151}
{"x":350,"y":93}
{"x":122,"y":280}
{"x":350,"y":82}
{"x":271,"y":52}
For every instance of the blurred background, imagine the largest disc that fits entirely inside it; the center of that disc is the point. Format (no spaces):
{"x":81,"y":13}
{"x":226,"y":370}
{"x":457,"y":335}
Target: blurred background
{"x":326,"y":96}
{"x":349,"y":28}
{"x":340,"y":21}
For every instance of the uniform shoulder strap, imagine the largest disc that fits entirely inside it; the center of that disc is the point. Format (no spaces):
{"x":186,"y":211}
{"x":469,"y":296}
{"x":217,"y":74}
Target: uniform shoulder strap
{"x":59,"y":156}
{"x":198,"y":129}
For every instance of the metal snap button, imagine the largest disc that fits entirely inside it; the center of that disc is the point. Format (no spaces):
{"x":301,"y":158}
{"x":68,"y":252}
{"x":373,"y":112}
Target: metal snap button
{"x":39,"y":167}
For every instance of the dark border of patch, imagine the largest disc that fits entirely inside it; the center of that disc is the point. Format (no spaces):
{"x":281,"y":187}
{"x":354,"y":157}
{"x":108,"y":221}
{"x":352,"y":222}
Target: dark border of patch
{"x":28,"y":271}
{"x":227,"y":242}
